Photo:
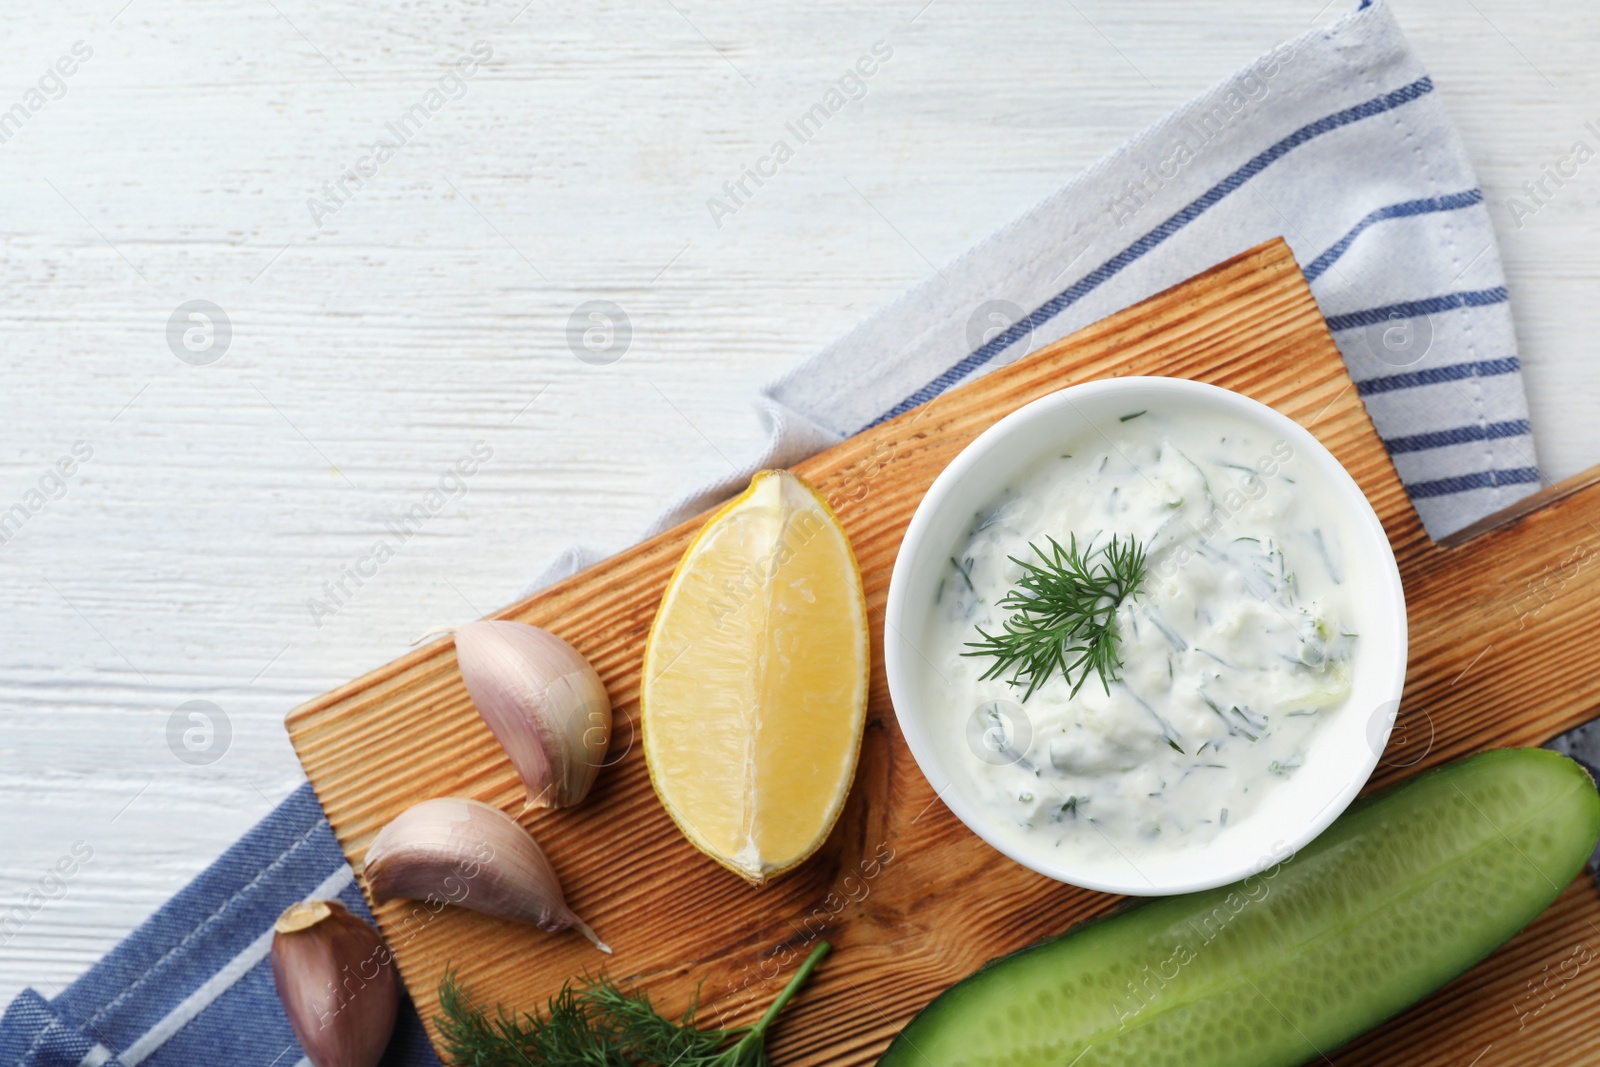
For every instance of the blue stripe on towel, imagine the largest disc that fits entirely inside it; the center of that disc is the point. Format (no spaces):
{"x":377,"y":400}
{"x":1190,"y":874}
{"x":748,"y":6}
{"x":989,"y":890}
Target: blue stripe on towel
{"x":1451,"y":202}
{"x":1479,"y":480}
{"x":1410,"y":309}
{"x":193,"y":983}
{"x":1460,"y":435}
{"x":1455,"y":372}
{"x":1107,"y":270}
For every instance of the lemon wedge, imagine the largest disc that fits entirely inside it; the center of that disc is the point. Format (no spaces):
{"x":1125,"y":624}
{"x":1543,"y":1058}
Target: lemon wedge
{"x":755,"y":679}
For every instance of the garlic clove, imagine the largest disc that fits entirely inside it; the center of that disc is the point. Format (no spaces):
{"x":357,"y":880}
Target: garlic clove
{"x":459,"y":851}
{"x":544,"y":703}
{"x":337,"y":984}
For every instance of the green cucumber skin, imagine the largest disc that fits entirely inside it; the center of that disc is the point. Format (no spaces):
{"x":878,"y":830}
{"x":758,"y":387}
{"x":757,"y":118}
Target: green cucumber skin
{"x":1401,"y":894}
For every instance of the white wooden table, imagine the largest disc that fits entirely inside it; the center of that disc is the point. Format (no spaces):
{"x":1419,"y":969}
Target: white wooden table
{"x":376,"y":341}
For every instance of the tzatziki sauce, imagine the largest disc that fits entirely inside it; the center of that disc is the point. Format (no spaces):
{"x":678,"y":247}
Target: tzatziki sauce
{"x":1233,"y":650}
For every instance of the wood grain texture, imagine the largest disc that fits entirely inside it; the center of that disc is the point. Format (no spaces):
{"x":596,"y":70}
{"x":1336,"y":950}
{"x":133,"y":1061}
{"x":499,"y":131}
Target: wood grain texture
{"x":911,"y":899}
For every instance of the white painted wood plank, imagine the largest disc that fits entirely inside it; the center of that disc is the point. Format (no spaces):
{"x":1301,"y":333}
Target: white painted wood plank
{"x":430,"y":312}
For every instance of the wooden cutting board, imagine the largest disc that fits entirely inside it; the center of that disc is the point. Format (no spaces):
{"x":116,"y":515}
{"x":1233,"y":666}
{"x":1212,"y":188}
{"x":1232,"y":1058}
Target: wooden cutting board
{"x":1502,"y":653}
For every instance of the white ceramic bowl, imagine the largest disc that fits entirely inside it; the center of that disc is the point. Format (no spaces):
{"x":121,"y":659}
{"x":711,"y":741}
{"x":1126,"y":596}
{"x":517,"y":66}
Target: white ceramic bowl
{"x":1343,"y":751}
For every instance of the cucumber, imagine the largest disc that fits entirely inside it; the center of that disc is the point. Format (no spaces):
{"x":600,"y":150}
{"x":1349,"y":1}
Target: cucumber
{"x":1397,"y":897}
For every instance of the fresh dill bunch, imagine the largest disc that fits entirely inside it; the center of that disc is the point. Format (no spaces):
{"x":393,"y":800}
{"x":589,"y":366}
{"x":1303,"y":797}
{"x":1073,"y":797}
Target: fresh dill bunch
{"x":593,"y":1022}
{"x":1064,"y":615}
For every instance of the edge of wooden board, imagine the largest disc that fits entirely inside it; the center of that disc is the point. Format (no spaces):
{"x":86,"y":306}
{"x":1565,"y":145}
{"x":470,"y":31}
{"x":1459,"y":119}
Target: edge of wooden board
{"x":1543,"y":498}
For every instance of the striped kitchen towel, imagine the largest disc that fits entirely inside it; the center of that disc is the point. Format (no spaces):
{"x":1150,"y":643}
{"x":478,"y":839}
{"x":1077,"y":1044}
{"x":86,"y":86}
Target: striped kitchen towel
{"x":193,"y":985}
{"x":1335,"y":141}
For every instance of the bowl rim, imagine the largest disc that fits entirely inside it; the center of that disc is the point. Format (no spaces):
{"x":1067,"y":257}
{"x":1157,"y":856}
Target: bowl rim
{"x":1385,"y":573}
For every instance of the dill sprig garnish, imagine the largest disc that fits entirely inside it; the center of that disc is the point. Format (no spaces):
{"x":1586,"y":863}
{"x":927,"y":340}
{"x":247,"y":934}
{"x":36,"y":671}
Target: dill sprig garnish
{"x":593,"y":1022}
{"x":1064,"y":615}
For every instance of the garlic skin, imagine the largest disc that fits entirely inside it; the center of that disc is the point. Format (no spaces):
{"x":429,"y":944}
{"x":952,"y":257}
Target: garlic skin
{"x":459,"y":851}
{"x":337,"y":984}
{"x":545,"y":704}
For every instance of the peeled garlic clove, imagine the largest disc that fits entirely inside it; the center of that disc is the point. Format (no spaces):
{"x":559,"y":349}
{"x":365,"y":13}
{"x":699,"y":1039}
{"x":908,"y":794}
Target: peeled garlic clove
{"x":336,"y":982}
{"x":459,"y":851}
{"x":545,"y":704}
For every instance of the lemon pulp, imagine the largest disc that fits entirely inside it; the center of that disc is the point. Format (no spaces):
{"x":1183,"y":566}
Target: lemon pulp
{"x":754,"y":688}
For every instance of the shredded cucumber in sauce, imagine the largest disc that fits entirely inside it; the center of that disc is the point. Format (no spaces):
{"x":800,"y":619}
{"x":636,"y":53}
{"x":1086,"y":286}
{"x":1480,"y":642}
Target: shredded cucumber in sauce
{"x":1233,"y":651}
